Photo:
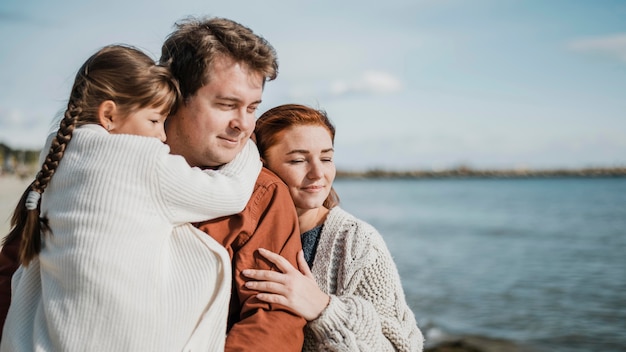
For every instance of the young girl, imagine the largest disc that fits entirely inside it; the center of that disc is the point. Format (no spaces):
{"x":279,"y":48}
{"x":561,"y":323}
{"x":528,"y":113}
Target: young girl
{"x":113,"y":263}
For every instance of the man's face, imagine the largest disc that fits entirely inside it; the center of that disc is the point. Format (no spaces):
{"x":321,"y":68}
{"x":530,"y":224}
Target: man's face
{"x":215,"y":124}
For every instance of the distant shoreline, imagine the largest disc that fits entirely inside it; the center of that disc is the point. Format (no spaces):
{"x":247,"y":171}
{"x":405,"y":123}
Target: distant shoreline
{"x":458,"y":173}
{"x":464,"y":172}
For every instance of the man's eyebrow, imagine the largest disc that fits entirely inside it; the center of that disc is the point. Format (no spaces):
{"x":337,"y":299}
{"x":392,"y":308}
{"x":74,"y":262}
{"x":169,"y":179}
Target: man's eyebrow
{"x":236,"y":100}
{"x":233,"y":99}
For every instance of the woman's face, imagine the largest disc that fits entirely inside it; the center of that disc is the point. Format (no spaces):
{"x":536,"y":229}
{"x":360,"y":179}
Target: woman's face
{"x":303,"y":159}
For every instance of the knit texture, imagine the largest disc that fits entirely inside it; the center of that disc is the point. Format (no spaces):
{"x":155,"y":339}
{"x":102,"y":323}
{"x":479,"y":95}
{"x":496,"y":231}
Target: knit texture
{"x":123,"y":269}
{"x":367,"y":309}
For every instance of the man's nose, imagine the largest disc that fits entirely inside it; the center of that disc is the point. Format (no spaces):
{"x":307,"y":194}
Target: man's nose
{"x":244,"y":121}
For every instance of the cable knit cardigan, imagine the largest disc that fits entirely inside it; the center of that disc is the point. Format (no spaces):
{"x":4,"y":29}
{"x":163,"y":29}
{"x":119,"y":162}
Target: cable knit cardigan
{"x":117,"y":273}
{"x":367,"y":309}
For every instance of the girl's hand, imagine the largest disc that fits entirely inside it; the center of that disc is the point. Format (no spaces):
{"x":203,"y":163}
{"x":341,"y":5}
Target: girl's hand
{"x":295,"y":289}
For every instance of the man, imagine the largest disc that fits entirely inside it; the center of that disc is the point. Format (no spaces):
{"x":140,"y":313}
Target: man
{"x":222,"y":67}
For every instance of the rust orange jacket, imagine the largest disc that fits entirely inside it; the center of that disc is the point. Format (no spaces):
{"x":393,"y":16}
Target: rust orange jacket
{"x":268,"y":221}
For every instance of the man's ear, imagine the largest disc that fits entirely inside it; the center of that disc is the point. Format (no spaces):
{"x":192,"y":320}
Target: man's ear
{"x":106,"y":114}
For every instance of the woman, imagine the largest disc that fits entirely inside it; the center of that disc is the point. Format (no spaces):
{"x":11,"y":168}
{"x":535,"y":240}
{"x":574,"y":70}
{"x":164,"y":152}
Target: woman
{"x":351,"y":296}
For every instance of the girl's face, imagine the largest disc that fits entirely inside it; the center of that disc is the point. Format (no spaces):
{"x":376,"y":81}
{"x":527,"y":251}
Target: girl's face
{"x":147,"y":122}
{"x":303,"y":159}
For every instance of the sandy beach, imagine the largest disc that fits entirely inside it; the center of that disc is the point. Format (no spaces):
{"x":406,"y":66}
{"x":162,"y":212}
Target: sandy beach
{"x":11,"y":189}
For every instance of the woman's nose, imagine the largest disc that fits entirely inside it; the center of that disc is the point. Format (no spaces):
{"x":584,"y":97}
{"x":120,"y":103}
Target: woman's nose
{"x":315,"y":170}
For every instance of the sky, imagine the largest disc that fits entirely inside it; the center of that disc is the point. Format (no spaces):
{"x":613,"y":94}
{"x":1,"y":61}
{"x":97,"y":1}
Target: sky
{"x":409,"y":84}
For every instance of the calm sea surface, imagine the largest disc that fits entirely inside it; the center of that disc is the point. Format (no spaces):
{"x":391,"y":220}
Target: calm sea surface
{"x":537,"y":261}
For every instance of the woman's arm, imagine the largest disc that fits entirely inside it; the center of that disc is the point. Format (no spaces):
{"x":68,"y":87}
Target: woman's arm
{"x":372,"y":315}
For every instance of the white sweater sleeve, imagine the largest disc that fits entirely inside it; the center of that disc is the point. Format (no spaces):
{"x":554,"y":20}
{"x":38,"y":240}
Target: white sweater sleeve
{"x":373,"y":314}
{"x":190,"y":194}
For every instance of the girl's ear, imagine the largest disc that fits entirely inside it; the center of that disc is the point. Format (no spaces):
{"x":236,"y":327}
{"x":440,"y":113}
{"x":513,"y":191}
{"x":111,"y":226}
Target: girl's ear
{"x":106,"y":114}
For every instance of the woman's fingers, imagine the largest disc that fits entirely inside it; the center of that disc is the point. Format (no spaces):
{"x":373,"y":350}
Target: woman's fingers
{"x":292,"y":288}
{"x":263,"y":275}
{"x":272,"y":298}
{"x":267,"y":286}
{"x":268,"y":280}
{"x":280,"y":262}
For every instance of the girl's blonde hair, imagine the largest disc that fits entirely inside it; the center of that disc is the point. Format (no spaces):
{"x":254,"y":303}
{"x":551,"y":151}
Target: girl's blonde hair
{"x":120,"y":73}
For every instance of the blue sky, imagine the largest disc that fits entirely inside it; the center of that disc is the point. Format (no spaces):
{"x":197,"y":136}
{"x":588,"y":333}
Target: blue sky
{"x":426,"y":84}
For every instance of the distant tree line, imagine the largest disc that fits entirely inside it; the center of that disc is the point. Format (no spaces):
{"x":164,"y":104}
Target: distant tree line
{"x":22,"y":162}
{"x":466,"y":172}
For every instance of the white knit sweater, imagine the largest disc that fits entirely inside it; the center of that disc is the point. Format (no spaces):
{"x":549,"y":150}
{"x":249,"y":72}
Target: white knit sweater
{"x":367,"y":309}
{"x":123,"y":269}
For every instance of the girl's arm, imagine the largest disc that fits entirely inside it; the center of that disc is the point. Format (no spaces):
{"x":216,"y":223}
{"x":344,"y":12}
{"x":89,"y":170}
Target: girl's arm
{"x":191,"y":194}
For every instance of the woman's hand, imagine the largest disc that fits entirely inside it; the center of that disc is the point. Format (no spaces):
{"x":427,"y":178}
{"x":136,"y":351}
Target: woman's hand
{"x":294,"y":289}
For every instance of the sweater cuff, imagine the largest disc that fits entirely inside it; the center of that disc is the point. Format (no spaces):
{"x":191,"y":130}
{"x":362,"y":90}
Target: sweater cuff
{"x":333,"y":320}
{"x":246,"y":161}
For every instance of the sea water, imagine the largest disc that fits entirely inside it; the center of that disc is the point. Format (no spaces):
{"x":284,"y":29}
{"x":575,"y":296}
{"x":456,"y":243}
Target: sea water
{"x":536,"y":261}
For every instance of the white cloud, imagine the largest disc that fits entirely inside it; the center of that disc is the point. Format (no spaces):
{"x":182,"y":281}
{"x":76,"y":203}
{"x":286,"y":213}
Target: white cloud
{"x":14,"y":118}
{"x":369,"y":83}
{"x":613,"y":45}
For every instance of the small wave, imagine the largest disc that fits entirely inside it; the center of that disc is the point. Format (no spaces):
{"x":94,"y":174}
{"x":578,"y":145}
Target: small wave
{"x":439,"y":340}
